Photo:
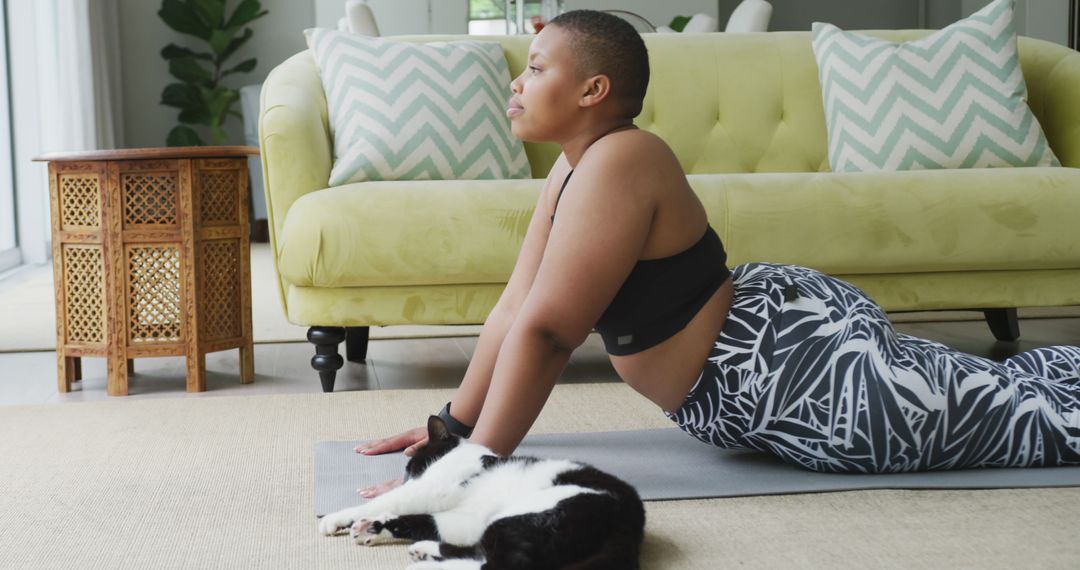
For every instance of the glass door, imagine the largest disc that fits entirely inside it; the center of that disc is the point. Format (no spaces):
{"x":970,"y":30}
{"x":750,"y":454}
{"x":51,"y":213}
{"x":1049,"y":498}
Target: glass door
{"x":9,"y":251}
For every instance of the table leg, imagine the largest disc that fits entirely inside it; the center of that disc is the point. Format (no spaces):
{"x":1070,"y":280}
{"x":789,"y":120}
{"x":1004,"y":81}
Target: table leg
{"x":118,"y":375}
{"x":196,"y":372}
{"x":247,"y":364}
{"x":65,"y":372}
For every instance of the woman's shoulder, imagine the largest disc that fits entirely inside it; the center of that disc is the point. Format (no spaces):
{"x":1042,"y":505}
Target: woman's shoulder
{"x":634,"y":138}
{"x":633,"y":148}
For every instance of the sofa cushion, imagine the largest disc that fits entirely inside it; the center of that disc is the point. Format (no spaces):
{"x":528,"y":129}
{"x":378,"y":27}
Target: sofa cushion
{"x":455,"y":232}
{"x":407,"y":111}
{"x":954,"y":99}
{"x":908,"y":222}
{"x":407,"y":233}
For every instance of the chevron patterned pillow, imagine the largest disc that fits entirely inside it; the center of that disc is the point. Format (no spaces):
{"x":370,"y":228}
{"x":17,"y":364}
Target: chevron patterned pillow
{"x":954,"y":99}
{"x":407,"y":111}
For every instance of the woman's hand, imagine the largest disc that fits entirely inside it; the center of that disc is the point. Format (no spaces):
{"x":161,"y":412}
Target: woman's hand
{"x":410,"y":441}
{"x":376,"y":490}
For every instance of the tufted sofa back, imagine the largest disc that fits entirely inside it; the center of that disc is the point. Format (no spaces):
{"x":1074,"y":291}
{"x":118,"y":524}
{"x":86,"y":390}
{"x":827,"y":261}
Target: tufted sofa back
{"x":737,"y":102}
{"x":752,"y":102}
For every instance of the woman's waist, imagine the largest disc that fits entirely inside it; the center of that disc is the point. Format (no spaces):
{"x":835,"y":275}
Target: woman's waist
{"x":665,"y":372}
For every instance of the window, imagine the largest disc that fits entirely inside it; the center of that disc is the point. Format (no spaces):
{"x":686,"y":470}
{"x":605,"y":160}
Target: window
{"x":9,"y":252}
{"x":487,"y":17}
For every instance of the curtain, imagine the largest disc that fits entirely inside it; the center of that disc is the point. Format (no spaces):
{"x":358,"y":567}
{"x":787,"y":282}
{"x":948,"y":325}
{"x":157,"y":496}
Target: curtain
{"x":79,"y":77}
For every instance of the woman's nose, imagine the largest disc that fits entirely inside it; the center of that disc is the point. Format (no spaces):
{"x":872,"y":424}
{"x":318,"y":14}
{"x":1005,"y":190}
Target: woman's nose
{"x":515,"y":85}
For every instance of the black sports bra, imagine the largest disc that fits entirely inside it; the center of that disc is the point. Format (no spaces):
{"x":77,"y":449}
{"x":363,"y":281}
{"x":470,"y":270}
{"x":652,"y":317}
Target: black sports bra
{"x":661,"y":296}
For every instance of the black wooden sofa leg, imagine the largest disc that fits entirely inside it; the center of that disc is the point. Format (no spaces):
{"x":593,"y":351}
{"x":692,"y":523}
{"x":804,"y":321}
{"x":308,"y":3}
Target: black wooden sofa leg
{"x":356,"y":341}
{"x":326,"y":360}
{"x":1003,"y":323}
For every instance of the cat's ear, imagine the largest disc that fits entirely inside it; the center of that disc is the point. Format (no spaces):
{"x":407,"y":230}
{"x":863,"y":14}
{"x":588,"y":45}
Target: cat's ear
{"x":437,"y":429}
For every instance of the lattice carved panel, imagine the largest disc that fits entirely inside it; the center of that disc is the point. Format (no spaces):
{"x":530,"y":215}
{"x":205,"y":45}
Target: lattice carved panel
{"x":154,"y":303}
{"x":84,"y":286}
{"x":150,"y":198}
{"x":218,"y":197}
{"x":80,"y":201}
{"x":219,"y":316}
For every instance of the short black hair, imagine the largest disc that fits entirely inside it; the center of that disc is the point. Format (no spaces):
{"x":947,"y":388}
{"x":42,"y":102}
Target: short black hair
{"x":606,"y":44}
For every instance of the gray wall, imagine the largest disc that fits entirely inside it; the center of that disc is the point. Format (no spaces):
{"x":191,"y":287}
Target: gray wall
{"x":143,"y":34}
{"x":1043,"y":19}
{"x":798,"y":15}
{"x":278,"y":36}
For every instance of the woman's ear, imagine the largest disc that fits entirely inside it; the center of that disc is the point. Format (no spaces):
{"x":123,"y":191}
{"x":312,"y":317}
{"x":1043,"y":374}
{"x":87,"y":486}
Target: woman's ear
{"x":597,"y":89}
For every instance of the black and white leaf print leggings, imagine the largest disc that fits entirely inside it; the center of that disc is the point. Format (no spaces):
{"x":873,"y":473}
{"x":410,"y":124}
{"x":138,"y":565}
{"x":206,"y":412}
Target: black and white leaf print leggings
{"x":809,"y":368}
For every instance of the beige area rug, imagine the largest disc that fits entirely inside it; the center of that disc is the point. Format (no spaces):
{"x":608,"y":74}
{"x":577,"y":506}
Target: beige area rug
{"x":227,"y":482}
{"x":28,"y":310}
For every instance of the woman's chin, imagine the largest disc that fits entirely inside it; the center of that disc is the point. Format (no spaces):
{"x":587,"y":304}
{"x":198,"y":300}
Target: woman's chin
{"x":522,"y":133}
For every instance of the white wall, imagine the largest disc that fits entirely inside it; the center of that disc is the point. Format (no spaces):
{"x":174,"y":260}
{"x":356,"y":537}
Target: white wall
{"x":277,"y":36}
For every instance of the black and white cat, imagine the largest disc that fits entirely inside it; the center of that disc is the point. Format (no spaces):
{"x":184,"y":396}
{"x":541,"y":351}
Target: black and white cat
{"x":471,"y":509}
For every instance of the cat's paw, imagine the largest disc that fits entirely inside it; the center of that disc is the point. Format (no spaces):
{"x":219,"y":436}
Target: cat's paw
{"x":372,"y":531}
{"x":425,"y":550}
{"x":426,"y":565}
{"x":334,"y":523}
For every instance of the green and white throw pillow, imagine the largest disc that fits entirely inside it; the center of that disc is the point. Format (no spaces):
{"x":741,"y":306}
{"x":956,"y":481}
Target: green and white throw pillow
{"x":954,"y":99}
{"x":408,"y":111}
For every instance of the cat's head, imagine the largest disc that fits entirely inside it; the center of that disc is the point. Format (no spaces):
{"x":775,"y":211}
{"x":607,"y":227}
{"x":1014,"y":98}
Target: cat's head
{"x":440,"y":442}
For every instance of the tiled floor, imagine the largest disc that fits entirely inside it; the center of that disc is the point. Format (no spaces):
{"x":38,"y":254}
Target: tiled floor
{"x":30,"y":377}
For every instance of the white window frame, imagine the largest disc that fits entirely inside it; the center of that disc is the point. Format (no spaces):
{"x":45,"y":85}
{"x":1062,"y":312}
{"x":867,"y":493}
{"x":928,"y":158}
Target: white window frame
{"x":10,"y":256}
{"x":30,"y":28}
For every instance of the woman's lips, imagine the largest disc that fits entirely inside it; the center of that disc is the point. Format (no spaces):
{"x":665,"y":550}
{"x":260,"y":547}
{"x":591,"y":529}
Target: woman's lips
{"x":514,"y":110}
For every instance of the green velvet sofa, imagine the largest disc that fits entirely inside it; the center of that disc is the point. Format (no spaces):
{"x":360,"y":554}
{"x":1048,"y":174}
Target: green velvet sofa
{"x":743,"y":112}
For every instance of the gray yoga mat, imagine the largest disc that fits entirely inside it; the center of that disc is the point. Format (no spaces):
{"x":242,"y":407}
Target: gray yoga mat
{"x":667,"y":464}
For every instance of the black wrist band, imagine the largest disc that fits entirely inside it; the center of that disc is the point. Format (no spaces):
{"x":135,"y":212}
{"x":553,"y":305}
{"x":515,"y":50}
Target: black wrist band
{"x":457,"y":428}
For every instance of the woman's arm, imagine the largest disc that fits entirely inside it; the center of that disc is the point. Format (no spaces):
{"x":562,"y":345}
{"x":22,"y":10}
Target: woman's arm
{"x":604,"y":220}
{"x":469,"y":398}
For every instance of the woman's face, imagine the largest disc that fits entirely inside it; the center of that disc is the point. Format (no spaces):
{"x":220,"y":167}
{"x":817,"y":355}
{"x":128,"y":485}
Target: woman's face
{"x":546,"y":94}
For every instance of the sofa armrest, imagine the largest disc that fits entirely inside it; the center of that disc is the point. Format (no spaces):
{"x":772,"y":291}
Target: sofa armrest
{"x":1052,"y":73}
{"x":294,"y":137}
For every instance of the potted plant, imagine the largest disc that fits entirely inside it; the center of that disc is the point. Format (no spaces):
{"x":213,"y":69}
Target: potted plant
{"x":198,"y":93}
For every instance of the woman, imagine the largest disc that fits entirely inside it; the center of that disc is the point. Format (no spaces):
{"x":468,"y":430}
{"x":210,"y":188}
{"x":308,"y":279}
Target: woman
{"x":776,"y":358}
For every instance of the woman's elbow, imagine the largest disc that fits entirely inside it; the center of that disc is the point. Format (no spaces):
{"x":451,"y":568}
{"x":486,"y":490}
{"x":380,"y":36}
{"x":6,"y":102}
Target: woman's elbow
{"x":559,"y":337}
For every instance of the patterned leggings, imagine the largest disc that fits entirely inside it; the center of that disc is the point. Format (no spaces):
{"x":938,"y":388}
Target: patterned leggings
{"x":809,"y":368}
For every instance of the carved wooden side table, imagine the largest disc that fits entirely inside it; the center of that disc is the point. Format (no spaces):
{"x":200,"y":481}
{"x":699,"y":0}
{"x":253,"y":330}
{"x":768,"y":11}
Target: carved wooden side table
{"x":150,"y":258}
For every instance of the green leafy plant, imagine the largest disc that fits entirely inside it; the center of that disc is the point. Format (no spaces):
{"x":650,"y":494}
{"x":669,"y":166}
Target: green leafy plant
{"x":678,"y":23}
{"x":199,"y":94}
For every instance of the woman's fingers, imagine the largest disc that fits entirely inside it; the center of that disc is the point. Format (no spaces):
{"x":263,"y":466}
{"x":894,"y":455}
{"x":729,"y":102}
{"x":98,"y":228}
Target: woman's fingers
{"x":385,"y":445}
{"x":395,"y":443}
{"x":376,"y":490}
{"x":410,"y":450}
{"x":377,"y":447}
